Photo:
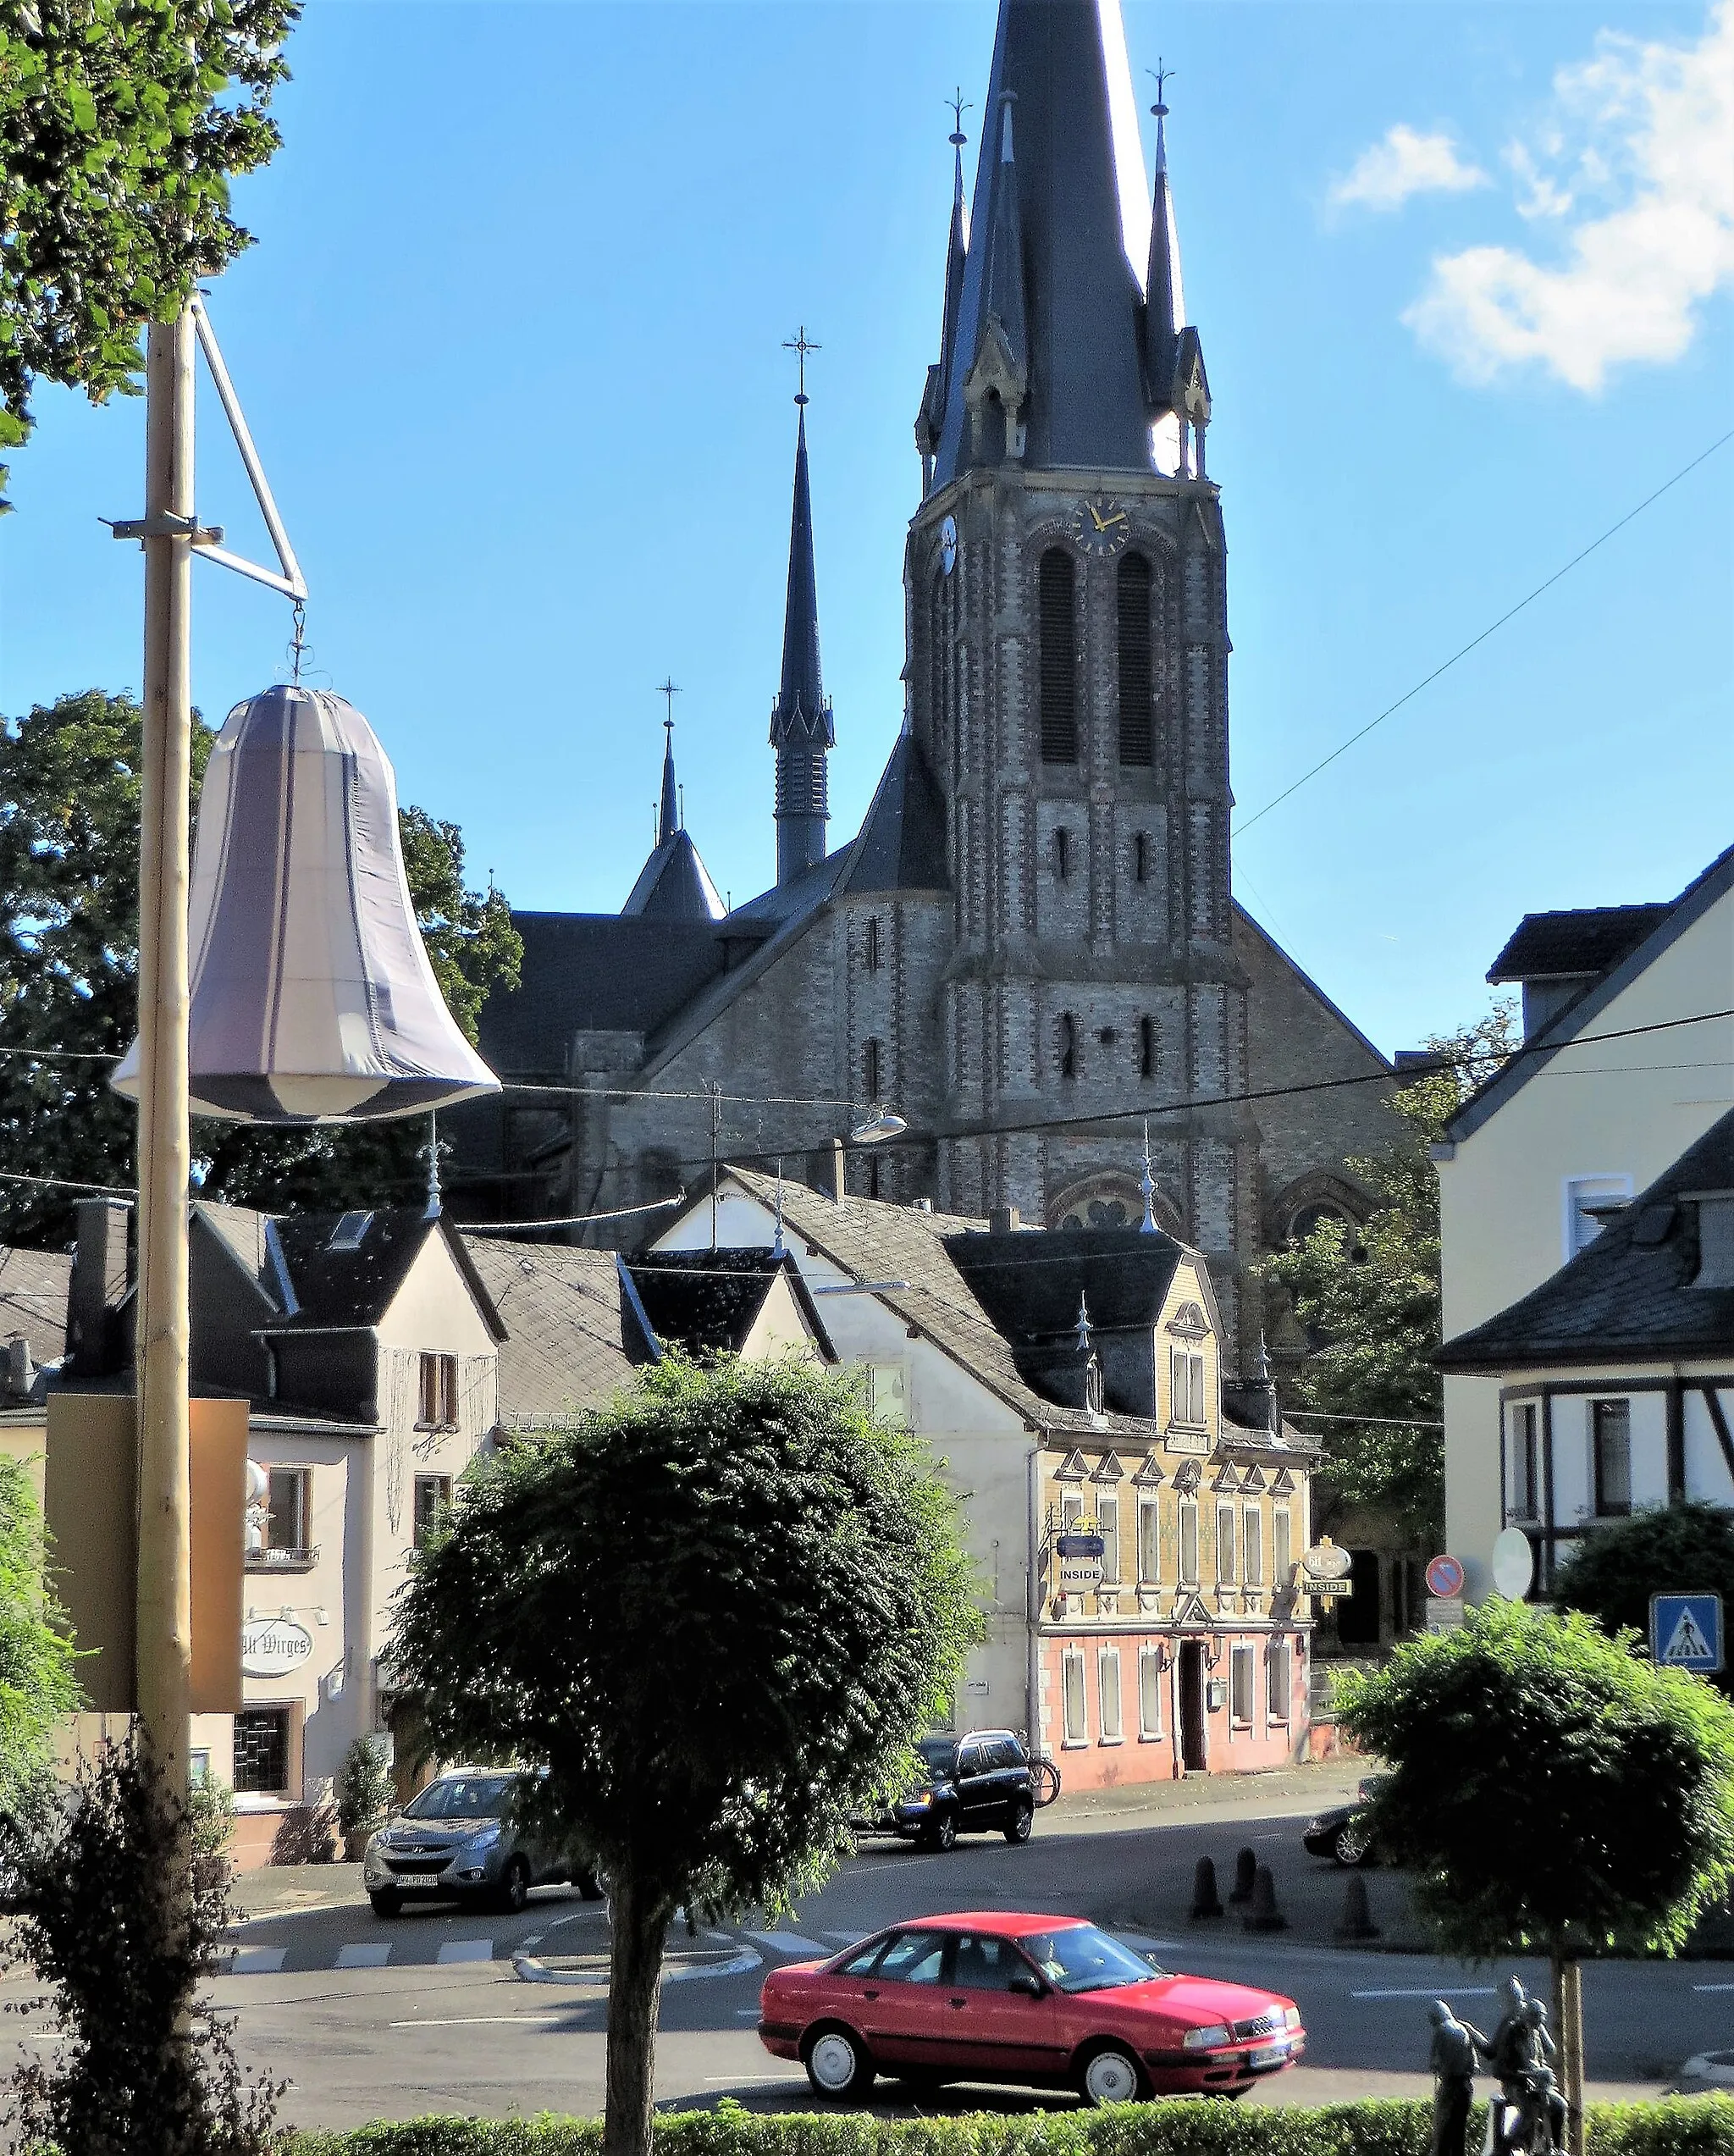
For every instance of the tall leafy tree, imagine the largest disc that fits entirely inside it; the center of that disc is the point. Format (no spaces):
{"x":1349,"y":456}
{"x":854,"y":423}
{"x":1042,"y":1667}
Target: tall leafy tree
{"x":1554,"y":1794}
{"x":68,"y":981}
{"x":718,"y":1612}
{"x":37,"y":1685}
{"x":122,"y":123}
{"x":1369,"y":1299}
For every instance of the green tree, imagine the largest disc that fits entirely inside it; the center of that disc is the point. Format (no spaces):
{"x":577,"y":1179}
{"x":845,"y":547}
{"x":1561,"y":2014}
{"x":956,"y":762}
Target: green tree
{"x":1369,"y":1299}
{"x":122,"y":123}
{"x":1554,"y":1794}
{"x":36,"y":1682}
{"x":719,"y":1611}
{"x":68,"y":981}
{"x":1682,"y":1549}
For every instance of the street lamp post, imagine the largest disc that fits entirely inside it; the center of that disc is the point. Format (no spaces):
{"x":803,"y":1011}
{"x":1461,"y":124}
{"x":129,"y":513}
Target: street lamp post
{"x":163,"y":1669}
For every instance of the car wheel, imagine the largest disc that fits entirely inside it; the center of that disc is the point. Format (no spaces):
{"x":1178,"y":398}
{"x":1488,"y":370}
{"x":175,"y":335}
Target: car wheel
{"x":387,"y":1903}
{"x":1110,"y":2075}
{"x":839,"y":2065}
{"x":515,"y":1886}
{"x":943,"y":1835}
{"x":1352,"y":1845}
{"x":1022,"y":1820}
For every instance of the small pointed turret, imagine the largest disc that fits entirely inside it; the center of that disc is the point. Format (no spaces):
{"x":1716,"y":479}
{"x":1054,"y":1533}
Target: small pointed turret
{"x":674,"y":884}
{"x":801,"y":730}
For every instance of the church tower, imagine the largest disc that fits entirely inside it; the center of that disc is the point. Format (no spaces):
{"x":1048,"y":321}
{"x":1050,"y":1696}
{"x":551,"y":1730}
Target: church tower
{"x":1067,"y":669}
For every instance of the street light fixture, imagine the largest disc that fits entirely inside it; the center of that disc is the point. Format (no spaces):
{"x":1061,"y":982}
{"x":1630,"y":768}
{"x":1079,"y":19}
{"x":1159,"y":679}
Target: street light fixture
{"x":883,"y":1125}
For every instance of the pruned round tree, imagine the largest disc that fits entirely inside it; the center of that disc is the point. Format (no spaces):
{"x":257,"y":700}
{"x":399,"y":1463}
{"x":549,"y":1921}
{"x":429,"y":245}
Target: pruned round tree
{"x":718,"y":1612}
{"x":1553,"y":1793}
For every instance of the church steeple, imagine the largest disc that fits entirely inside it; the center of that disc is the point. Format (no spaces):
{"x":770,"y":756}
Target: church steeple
{"x":930,"y":419}
{"x":802,"y":729}
{"x":1061,"y":170}
{"x":674,"y":884}
{"x":1173,"y":355}
{"x":669,"y":821}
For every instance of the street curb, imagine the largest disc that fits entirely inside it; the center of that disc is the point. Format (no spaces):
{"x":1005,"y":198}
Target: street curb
{"x":529,"y":1970}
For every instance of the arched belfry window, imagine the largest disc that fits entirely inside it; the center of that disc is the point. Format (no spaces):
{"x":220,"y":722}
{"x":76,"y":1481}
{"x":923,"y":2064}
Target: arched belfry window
{"x":1059,"y":659}
{"x":1137,"y":674}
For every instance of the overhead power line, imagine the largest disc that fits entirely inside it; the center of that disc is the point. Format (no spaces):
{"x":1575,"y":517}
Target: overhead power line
{"x":1510,"y":614}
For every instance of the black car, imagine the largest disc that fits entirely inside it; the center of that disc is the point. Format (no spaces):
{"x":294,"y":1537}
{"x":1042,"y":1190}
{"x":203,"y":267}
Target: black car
{"x":1342,"y":1832}
{"x":975,"y":1784}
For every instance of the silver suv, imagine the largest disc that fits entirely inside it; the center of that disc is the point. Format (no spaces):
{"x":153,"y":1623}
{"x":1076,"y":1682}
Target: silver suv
{"x":457,"y":1838}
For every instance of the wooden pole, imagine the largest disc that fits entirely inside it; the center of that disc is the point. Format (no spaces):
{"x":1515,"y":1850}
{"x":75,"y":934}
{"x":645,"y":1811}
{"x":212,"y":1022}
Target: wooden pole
{"x":164,"y":1648}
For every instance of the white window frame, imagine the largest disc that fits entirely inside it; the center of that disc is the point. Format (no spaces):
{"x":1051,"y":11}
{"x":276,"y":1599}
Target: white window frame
{"x":1111,"y":1725}
{"x":1239,"y":1660}
{"x":1252,"y":1546}
{"x":1189,"y":1576}
{"x":1150,"y":1674}
{"x":1149,"y":1539}
{"x":1225,"y":1573}
{"x":1071,"y":1511}
{"x":1278,"y":1702}
{"x":1575,"y":1191}
{"x":1072,"y":1688}
{"x":1107,"y":1526}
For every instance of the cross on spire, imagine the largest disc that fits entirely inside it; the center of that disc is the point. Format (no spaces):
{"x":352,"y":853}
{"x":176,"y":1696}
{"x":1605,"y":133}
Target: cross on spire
{"x":959,"y":109}
{"x":670,"y":687}
{"x":801,"y":344}
{"x":1163,"y":75}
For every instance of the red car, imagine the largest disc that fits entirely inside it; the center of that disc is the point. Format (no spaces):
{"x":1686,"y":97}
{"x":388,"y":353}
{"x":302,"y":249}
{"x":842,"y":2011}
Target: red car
{"x":1047,"y":2002}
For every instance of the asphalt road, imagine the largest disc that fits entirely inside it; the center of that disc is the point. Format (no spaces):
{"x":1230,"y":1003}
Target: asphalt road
{"x":441,"y":2011}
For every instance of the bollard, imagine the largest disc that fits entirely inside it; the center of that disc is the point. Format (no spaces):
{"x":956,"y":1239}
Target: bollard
{"x":1357,"y":1915}
{"x":1264,"y":1915}
{"x":1205,"y":1901}
{"x":1245,"y":1872}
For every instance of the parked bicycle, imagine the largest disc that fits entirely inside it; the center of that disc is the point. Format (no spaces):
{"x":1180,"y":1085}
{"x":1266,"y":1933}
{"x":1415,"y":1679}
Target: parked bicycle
{"x":1044,"y":1775}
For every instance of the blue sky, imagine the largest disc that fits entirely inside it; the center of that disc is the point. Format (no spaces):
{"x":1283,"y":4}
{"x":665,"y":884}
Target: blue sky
{"x":511,"y":347}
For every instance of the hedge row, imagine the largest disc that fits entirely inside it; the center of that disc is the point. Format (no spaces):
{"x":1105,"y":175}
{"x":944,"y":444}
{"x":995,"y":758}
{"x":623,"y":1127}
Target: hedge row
{"x":1699,"y":2125}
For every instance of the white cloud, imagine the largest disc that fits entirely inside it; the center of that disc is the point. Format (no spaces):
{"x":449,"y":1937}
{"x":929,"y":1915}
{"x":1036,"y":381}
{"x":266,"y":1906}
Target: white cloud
{"x":1405,"y":163}
{"x":1637,"y":152}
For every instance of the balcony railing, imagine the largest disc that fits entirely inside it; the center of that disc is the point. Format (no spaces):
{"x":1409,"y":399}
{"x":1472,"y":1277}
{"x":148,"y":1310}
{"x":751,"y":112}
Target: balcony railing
{"x":283,"y":1560}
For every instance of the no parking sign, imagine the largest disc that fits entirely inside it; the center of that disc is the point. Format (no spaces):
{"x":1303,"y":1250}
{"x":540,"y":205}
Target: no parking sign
{"x":1444,"y":1579}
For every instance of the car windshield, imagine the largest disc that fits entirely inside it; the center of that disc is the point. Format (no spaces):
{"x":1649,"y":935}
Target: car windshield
{"x":938,"y":1754}
{"x":463,"y":1796}
{"x":1078,"y":1958}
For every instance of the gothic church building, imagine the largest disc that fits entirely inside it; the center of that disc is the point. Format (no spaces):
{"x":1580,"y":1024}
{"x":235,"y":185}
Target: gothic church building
{"x":1033,"y":929}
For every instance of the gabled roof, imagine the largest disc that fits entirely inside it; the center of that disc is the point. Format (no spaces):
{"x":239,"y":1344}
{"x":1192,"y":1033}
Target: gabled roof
{"x":1579,"y":1017}
{"x":352,"y":1279}
{"x":572,"y":1340}
{"x":1560,"y":946}
{"x":674,"y":885}
{"x":1627,"y":1296}
{"x":708,"y":1301}
{"x":33,"y":1290}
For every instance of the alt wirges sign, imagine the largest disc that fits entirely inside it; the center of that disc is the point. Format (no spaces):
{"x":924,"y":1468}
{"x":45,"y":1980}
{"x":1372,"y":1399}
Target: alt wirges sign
{"x":271,"y":1646}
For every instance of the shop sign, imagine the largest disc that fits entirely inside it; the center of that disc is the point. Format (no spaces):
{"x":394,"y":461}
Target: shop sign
{"x":272,"y":1646}
{"x":1326,"y":1570}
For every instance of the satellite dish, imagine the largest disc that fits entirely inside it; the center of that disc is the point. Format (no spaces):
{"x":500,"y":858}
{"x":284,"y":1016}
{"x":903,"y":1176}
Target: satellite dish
{"x":1513,"y":1564}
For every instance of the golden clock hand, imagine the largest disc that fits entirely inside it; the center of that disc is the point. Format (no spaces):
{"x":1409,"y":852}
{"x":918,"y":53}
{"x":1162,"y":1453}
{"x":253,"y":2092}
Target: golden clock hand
{"x":1118,"y":517}
{"x":1100,"y":526}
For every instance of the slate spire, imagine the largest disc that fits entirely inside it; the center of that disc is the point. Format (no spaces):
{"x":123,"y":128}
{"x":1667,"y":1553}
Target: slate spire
{"x":1164,"y":302}
{"x":802,"y":729}
{"x":1062,"y":174}
{"x":669,"y":821}
{"x":956,"y":255}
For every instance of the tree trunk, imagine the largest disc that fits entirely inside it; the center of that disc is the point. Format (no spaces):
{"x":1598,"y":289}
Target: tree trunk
{"x":1568,"y":2026}
{"x":639,"y":1919}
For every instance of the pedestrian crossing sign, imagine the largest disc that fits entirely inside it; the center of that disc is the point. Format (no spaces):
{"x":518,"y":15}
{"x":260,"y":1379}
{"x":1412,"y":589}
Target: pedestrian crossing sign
{"x":1686,"y":1632}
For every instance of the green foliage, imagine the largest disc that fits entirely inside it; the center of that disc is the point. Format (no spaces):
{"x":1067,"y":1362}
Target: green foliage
{"x":1370,"y":1301}
{"x":68,"y":980}
{"x":1687,"y":1548}
{"x":121,"y":125}
{"x":1675,"y":2126}
{"x":719,"y":1610}
{"x":1552,"y":1793}
{"x":36,"y":1680}
{"x":103,"y":1881}
{"x":363,"y":1786}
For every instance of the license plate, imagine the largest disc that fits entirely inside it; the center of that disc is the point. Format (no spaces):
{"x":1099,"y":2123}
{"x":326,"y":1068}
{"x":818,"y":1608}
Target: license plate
{"x":416,"y":1882}
{"x":1267,"y":2055}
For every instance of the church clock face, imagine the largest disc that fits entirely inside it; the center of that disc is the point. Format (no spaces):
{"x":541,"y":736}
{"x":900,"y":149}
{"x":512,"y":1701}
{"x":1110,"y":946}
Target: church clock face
{"x":948,"y":545}
{"x":1101,"y":527}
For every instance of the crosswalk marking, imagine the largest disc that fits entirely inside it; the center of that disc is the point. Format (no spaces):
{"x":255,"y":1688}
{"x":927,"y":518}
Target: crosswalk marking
{"x":257,"y":1961}
{"x":787,"y":1942}
{"x":363,"y":1957}
{"x":465,"y":1951}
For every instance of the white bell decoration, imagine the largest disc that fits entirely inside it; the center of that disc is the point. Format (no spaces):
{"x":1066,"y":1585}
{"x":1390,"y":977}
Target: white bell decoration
{"x":312,"y":997}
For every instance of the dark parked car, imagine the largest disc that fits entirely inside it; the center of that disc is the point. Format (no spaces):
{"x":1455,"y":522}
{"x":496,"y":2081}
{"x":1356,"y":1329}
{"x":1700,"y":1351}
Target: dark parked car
{"x":976,"y":1784}
{"x":1342,"y":1832}
{"x":457,"y":1838}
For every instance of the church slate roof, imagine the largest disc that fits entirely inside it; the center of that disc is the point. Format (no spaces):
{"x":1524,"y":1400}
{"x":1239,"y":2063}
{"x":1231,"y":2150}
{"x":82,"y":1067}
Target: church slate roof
{"x":1695,"y":900}
{"x":593,"y":972}
{"x":901,"y":845}
{"x":1555,"y":946}
{"x":1629,"y":1295}
{"x":674,"y":885}
{"x":1078,"y":172}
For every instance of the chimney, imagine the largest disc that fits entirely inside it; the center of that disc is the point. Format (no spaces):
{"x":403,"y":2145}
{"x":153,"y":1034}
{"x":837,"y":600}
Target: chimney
{"x":1003,"y":1220}
{"x":838,"y":1188}
{"x":18,"y":1372}
{"x":99,"y":1281}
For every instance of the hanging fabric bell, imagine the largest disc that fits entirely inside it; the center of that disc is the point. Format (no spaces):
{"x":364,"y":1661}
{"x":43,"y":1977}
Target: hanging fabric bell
{"x":312,"y":997}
